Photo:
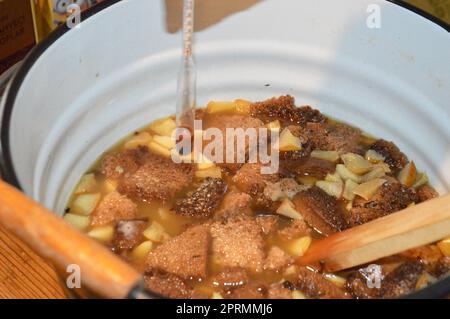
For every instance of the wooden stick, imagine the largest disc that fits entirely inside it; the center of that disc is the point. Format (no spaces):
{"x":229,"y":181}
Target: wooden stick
{"x":412,"y":227}
{"x":51,"y":237}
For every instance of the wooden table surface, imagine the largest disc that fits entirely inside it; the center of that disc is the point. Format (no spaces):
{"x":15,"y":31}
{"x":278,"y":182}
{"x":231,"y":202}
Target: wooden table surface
{"x":23,"y":274}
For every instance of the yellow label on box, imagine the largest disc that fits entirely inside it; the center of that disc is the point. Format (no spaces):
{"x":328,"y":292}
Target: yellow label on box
{"x":437,"y":8}
{"x":51,"y":13}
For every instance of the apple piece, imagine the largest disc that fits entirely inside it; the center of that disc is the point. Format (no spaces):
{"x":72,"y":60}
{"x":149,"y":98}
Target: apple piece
{"x":141,"y":251}
{"x":298,"y":247}
{"x":274,"y":126}
{"x":368,"y":189}
{"x":374,"y":157}
{"x":87,"y":184}
{"x":349,"y":205}
{"x":164,"y":126}
{"x":383,"y":165}
{"x":307,"y":180}
{"x":444,"y":246}
{"x":165,"y":141}
{"x":287,"y":209}
{"x":376,"y":172}
{"x":85,"y":204}
{"x":348,"y":189}
{"x":335,"y":177}
{"x":425,"y":280}
{"x":346,"y":174}
{"x":220,"y":107}
{"x":109,"y":185}
{"x":243,"y":106}
{"x":407,"y":175}
{"x":216,"y":295}
{"x":158,"y":149}
{"x":335,"y":279}
{"x":356,"y":163}
{"x":102,"y":233}
{"x":290,"y":271}
{"x":140,"y":139}
{"x":296,"y":294}
{"x":78,"y":221}
{"x":203,"y":162}
{"x":289,"y":142}
{"x":156,"y":233}
{"x":421,"y":179}
{"x":331,"y":188}
{"x":331,"y":156}
{"x":214,"y":172}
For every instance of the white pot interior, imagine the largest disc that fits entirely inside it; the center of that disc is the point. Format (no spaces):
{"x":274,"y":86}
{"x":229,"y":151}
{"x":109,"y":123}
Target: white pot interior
{"x":117,"y":72}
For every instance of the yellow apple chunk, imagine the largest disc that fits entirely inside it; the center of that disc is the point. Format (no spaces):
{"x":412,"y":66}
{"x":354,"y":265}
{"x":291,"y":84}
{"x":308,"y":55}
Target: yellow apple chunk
{"x":289,"y":142}
{"x":141,"y":251}
{"x":220,"y":107}
{"x":425,"y":280}
{"x":87,"y":184}
{"x":78,"y":221}
{"x":85,"y":204}
{"x":346,"y":174}
{"x":102,"y":233}
{"x":203,"y":162}
{"x":214,"y":172}
{"x":368,"y":189}
{"x":374,"y":157}
{"x":274,"y":125}
{"x":158,"y":149}
{"x":216,"y":295}
{"x":163,"y":126}
{"x":296,"y":294}
{"x":348,"y":189}
{"x":298,"y":247}
{"x":356,"y":163}
{"x":109,"y":185}
{"x":331,"y":156}
{"x":444,"y":246}
{"x":335,"y":279}
{"x":421,"y":179}
{"x":407,"y":175}
{"x":165,"y":141}
{"x":156,"y":233}
{"x":140,"y":139}
{"x":287,"y":209}
{"x":331,"y":188}
{"x":376,"y":172}
{"x":243,"y":106}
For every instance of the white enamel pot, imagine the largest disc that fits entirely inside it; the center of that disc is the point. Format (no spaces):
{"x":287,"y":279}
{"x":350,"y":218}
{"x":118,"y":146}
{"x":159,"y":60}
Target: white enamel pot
{"x":83,"y":89}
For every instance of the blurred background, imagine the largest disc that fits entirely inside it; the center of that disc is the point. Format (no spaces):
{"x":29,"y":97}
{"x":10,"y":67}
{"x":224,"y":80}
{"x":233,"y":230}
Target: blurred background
{"x":24,"y":23}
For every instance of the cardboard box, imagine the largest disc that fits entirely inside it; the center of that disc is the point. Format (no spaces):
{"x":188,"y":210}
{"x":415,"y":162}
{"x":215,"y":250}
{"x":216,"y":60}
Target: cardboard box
{"x":23,"y":23}
{"x":17,"y":35}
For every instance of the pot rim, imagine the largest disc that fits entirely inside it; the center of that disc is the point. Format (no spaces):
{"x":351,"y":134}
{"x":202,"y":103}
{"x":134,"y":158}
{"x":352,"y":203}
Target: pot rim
{"x":438,"y":290}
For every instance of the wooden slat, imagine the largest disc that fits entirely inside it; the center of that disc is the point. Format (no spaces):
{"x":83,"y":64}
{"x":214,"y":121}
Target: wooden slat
{"x":412,"y":227}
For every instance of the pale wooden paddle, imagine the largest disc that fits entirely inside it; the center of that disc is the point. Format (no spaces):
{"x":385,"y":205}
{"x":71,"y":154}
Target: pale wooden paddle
{"x":412,"y":227}
{"x":52,"y":238}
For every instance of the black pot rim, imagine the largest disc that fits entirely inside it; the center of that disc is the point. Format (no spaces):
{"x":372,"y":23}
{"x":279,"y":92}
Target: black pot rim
{"x":9,"y":173}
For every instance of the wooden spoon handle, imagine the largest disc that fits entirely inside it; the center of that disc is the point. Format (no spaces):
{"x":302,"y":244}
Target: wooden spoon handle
{"x":412,"y":227}
{"x":51,"y":237}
